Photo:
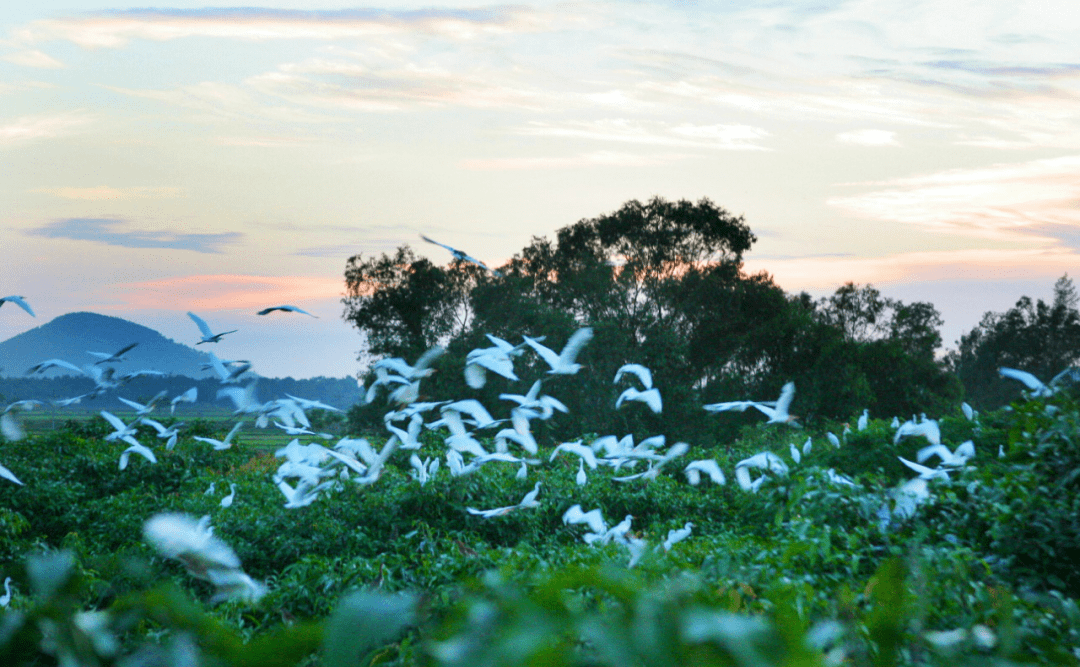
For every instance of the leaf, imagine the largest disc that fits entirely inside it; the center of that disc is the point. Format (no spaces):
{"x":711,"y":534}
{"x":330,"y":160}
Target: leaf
{"x":362,"y":622}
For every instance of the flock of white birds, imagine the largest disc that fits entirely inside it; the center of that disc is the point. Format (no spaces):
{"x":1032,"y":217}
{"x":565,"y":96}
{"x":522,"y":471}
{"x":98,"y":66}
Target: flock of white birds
{"x":473,"y":438}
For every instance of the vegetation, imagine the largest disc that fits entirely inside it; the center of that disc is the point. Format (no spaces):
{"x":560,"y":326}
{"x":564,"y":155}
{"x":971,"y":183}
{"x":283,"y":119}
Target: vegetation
{"x":822,"y":565}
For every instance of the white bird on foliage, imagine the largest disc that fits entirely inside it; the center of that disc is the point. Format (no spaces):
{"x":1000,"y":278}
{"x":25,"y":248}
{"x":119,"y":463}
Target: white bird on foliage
{"x":677,"y":535}
{"x":766,"y":461}
{"x":924,"y":472}
{"x":955,"y":459}
{"x":708,"y":466}
{"x":290,"y":309}
{"x":227,"y":501}
{"x":928,"y":429}
{"x":796,"y":456}
{"x":831,"y":437}
{"x":864,"y":419}
{"x":208,"y":336}
{"x":5,"y":599}
{"x":139,"y":449}
{"x":19,"y":301}
{"x":423,"y":470}
{"x":593,"y":518}
{"x":528,"y":501}
{"x":564,"y":362}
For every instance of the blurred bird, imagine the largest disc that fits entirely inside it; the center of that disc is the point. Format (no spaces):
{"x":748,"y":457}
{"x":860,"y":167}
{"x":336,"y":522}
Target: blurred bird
{"x":19,"y":301}
{"x":459,"y":255}
{"x":707,"y":466}
{"x":117,"y":357}
{"x":291,"y":309}
{"x":564,"y":362}
{"x":208,"y":336}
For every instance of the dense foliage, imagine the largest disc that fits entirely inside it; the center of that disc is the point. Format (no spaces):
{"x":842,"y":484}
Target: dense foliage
{"x":803,"y":572}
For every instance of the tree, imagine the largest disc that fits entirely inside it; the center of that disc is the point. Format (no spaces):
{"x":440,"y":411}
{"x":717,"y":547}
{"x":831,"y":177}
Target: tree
{"x":1040,"y":338}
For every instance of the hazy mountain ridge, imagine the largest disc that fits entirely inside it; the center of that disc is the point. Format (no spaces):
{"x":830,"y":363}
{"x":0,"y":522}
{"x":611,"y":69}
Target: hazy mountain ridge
{"x":71,"y":336}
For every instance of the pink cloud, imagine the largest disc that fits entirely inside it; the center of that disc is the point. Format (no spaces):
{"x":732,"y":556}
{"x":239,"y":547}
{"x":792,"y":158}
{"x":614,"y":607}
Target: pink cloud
{"x":226,"y":292}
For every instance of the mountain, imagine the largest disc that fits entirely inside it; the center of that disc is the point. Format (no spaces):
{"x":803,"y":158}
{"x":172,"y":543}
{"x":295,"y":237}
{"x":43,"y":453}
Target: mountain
{"x":70,"y":337}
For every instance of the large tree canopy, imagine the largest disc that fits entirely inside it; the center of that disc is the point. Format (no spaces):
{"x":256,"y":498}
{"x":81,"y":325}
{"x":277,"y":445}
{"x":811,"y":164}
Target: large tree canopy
{"x":662,"y":284}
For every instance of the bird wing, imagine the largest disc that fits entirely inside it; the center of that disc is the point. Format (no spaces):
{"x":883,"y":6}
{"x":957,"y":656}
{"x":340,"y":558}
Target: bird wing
{"x":547,"y":354}
{"x":1033,"y":383}
{"x":786,"y":395}
{"x":573,"y":346}
{"x":642,"y":373}
{"x":201,"y":323}
{"x":53,"y":363}
{"x":115,"y":421}
{"x":21,"y":303}
{"x":127,"y":348}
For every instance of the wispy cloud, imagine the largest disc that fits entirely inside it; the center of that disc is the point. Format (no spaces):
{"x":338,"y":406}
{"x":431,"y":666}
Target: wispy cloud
{"x":718,"y":137}
{"x":1005,"y":202}
{"x":117,"y":232}
{"x":103,"y":192}
{"x":868,"y":138}
{"x":596,"y":159}
{"x":46,"y":126}
{"x":826,"y":272}
{"x":227,"y":291}
{"x":115,"y":29}
{"x":33,"y":58}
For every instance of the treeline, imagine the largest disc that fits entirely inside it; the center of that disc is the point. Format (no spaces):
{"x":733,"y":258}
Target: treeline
{"x":338,"y":392}
{"x":662,"y":284}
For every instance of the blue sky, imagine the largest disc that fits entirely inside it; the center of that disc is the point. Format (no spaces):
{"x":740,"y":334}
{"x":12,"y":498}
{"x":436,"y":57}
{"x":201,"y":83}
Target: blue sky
{"x":197,"y":157}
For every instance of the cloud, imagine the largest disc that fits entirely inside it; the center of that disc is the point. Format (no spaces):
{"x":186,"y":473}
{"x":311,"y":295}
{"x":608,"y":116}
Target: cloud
{"x":115,"y":29}
{"x":826,"y":272}
{"x":596,"y":159}
{"x":868,"y":138}
{"x":111,"y":231}
{"x":33,"y":58}
{"x":717,"y":137}
{"x":228,"y":291}
{"x":226,"y":101}
{"x":30,"y":128}
{"x":1004,"y":202}
{"x":102,"y":192}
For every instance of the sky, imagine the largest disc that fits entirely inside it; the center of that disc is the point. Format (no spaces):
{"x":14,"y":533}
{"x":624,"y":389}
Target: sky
{"x":198,"y":156}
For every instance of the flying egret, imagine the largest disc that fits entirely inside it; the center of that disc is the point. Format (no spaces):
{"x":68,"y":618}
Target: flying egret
{"x":208,"y":336}
{"x":122,"y":431}
{"x":924,"y":472}
{"x":221,"y":444}
{"x":116,"y":357}
{"x":136,"y":448}
{"x":643,"y":374}
{"x":528,"y":501}
{"x":1038,"y":389}
{"x":170,"y":433}
{"x":956,"y":459}
{"x":144,"y":408}
{"x":593,"y":518}
{"x":563,"y":363}
{"x":227,"y":501}
{"x":928,"y":429}
{"x":650,"y":397}
{"x":460,"y":255}
{"x":54,"y":363}
{"x":8,"y":475}
{"x":766,"y":461}
{"x":586,"y":454}
{"x":189,"y":396}
{"x":291,"y":309}
{"x":19,"y":301}
{"x":480,"y":361}
{"x":708,"y":466}
{"x":778,"y":414}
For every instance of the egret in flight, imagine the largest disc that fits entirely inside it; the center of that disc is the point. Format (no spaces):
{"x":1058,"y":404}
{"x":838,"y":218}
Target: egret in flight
{"x":208,"y":336}
{"x":291,"y":309}
{"x":460,"y":255}
{"x":19,"y":301}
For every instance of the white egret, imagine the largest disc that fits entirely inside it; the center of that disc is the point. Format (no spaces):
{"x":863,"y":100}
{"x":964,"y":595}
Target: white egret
{"x":593,"y":518}
{"x":136,"y":448}
{"x":708,"y":466}
{"x":423,"y":470}
{"x":796,"y":455}
{"x":116,"y":357}
{"x":209,"y":490}
{"x":831,"y":437}
{"x":924,"y":472}
{"x":308,"y":404}
{"x":778,"y":414}
{"x":165,"y":433}
{"x":564,"y":362}
{"x":968,"y":411}
{"x":227,"y":501}
{"x":219,"y":445}
{"x":864,"y":418}
{"x":290,"y":309}
{"x":144,"y":408}
{"x":189,"y":396}
{"x":528,"y":501}
{"x":956,"y":459}
{"x":8,"y":475}
{"x":766,"y":461}
{"x":586,"y":454}
{"x":54,"y":363}
{"x":650,"y":397}
{"x":460,"y":255}
{"x":928,"y":429}
{"x":807,"y":446}
{"x":582,"y":479}
{"x":208,"y":336}
{"x":122,"y":431}
{"x":5,"y":599}
{"x":677,"y":535}
{"x":19,"y":301}
{"x":1038,"y":389}
{"x":643,"y":374}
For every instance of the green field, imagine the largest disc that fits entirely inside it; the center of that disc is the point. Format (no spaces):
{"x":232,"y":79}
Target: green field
{"x":803,"y":572}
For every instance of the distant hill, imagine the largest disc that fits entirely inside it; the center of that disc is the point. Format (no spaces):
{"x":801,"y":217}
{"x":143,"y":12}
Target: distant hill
{"x":70,"y":336}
